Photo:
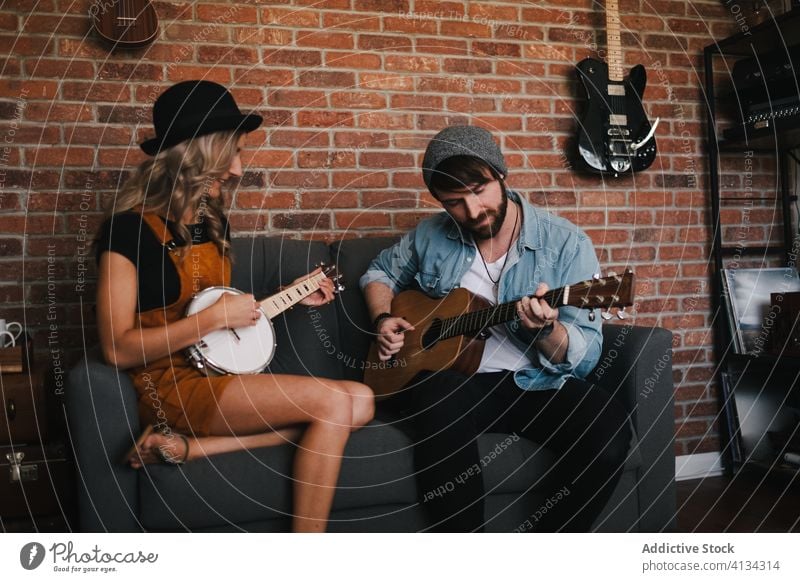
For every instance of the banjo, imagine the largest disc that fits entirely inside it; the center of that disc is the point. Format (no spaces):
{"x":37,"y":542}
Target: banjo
{"x":248,"y":350}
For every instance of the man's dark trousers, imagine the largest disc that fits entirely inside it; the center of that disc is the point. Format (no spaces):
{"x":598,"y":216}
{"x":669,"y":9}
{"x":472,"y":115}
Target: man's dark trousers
{"x":586,"y":428}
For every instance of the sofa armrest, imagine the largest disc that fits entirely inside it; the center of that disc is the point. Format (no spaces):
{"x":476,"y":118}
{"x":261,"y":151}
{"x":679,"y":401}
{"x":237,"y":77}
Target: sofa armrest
{"x":103,"y":423}
{"x":636,"y":366}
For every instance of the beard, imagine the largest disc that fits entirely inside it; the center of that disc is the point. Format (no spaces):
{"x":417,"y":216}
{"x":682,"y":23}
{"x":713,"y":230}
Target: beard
{"x":481,"y":231}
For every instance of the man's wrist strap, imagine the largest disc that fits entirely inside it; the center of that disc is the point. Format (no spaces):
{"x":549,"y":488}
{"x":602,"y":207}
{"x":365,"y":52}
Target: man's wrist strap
{"x":380,"y":318}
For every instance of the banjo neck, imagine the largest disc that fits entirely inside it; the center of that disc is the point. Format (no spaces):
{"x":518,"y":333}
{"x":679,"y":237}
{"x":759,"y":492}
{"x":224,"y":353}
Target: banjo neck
{"x":287,"y":298}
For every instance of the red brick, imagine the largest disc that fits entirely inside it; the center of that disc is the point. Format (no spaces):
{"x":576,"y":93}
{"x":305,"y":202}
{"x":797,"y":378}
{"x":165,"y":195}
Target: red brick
{"x":382,"y":5}
{"x":173,"y":10}
{"x":409,"y":25}
{"x":358,"y":100}
{"x":186,"y":72}
{"x":264,"y":200}
{"x":472,"y":66}
{"x":301,"y":221}
{"x":62,"y":69}
{"x":440,"y":46}
{"x":415,"y":63}
{"x":28,"y":46}
{"x":53,"y":156}
{"x":417,"y":102}
{"x":360,"y":180}
{"x":79,"y":91}
{"x":496,"y":49}
{"x":324,"y":199}
{"x":290,"y":18}
{"x":292,"y":58}
{"x":374,"y":42}
{"x":389,"y":161}
{"x":335,"y":40}
{"x":317,"y":78}
{"x":264,"y":36}
{"x":315,"y":118}
{"x":351,"y":60}
{"x":386,"y":81}
{"x":226,"y":54}
{"x":350,"y":21}
{"x":360,"y":219}
{"x":222,"y":14}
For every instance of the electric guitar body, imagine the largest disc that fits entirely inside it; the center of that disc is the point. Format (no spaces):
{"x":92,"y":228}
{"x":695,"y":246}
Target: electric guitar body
{"x":612,"y":122}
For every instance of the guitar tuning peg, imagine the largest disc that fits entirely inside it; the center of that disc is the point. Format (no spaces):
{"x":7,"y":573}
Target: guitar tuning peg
{"x":596,"y":276}
{"x":591,"y":315}
{"x":621,"y":314}
{"x":605,"y":314}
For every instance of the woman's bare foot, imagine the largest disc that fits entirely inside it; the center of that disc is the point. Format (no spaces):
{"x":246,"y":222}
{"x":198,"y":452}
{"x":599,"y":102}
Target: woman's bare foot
{"x":164,"y":447}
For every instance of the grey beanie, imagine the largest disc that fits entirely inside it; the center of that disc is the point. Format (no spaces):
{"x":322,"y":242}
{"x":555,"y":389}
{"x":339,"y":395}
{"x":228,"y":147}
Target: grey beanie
{"x":461,"y":140}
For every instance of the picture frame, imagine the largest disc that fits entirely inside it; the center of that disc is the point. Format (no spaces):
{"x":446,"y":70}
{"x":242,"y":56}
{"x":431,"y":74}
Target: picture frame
{"x":748,"y":293}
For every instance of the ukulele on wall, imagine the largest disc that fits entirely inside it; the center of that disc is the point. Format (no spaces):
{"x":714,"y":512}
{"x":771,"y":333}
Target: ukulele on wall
{"x":614,"y":136}
{"x":125,"y":23}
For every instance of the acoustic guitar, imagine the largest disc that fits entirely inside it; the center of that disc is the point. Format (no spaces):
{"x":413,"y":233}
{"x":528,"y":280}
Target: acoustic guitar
{"x":125,"y":23}
{"x":614,"y":135}
{"x":449,"y":333}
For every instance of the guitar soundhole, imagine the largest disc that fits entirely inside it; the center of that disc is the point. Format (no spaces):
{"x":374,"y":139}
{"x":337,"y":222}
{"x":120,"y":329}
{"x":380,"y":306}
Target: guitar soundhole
{"x":432,"y":335}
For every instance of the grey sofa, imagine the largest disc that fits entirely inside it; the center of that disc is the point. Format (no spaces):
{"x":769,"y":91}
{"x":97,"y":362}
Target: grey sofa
{"x":251,"y":491}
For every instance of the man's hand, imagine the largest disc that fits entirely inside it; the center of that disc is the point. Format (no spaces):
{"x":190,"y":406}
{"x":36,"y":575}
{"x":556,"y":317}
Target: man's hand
{"x":534,"y":313}
{"x":390,"y":336}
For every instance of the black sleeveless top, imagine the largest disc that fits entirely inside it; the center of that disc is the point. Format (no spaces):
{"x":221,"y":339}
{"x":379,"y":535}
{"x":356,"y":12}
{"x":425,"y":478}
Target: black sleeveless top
{"x":127,"y":234}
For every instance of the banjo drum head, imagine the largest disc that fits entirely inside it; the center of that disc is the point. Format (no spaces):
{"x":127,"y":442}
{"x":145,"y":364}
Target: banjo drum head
{"x":250,"y":353}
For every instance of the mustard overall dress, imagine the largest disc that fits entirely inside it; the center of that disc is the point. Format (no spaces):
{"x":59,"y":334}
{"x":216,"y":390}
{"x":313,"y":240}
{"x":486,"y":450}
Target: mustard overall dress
{"x":171,"y":391}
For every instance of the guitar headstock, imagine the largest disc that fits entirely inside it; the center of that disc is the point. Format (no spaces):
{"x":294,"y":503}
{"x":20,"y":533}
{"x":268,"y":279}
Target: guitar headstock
{"x":602,"y":292}
{"x":332,"y":273}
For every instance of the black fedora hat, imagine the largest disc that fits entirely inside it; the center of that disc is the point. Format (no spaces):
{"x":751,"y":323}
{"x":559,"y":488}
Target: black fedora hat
{"x":194,"y":108}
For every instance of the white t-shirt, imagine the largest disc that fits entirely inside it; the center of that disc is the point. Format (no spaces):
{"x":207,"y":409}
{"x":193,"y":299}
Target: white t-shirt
{"x":499,"y":352}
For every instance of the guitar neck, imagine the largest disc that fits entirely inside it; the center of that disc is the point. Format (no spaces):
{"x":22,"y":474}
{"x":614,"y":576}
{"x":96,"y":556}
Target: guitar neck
{"x":287,"y":298}
{"x":475,"y":321}
{"x":615,"y":68}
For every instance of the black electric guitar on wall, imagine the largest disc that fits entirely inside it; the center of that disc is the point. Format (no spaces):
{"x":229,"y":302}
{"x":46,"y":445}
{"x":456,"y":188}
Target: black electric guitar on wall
{"x":614,"y":136}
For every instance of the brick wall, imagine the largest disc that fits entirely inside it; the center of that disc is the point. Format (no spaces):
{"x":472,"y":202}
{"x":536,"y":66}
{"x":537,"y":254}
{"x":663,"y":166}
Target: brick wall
{"x":351,"y":90}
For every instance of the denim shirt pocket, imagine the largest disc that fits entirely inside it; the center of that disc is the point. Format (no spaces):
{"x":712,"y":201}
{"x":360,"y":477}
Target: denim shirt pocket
{"x":429,"y":283}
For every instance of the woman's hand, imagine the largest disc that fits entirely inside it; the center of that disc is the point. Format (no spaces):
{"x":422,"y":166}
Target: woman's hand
{"x":320,"y":297}
{"x":234,"y":310}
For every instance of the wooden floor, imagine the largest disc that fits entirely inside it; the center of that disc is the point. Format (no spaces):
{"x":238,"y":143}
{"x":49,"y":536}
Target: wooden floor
{"x":751,"y":501}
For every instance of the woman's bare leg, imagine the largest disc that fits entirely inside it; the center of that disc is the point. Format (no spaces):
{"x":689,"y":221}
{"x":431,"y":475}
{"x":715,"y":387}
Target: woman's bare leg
{"x":258,"y":403}
{"x":168,"y":443}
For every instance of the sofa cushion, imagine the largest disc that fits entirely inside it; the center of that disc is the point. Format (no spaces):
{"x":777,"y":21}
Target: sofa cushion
{"x":377,"y":470}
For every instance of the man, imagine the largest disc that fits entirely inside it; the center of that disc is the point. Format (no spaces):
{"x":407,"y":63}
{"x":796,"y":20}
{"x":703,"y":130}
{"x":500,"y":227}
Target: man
{"x":530,"y":381}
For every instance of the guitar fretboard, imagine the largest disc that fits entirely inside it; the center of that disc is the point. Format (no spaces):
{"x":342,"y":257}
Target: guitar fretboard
{"x":615,"y":70}
{"x":475,"y":321}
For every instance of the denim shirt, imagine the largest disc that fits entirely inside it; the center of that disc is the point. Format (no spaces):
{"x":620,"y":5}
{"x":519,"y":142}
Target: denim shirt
{"x":549,"y":249}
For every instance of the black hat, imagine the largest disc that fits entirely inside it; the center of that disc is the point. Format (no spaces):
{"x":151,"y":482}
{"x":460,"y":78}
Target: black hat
{"x":194,"y":108}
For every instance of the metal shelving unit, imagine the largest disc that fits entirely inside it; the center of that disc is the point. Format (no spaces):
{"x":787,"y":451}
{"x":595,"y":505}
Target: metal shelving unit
{"x":776,"y":140}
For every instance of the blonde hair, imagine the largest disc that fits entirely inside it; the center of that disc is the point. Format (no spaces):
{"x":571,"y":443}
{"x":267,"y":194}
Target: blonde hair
{"x":177,"y":180}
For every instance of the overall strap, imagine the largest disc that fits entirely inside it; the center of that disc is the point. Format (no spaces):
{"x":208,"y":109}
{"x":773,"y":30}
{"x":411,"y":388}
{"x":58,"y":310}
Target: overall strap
{"x":160,"y":229}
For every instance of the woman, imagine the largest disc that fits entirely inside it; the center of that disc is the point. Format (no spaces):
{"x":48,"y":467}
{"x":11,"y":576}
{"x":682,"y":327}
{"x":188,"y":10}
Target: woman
{"x":168,"y":239}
